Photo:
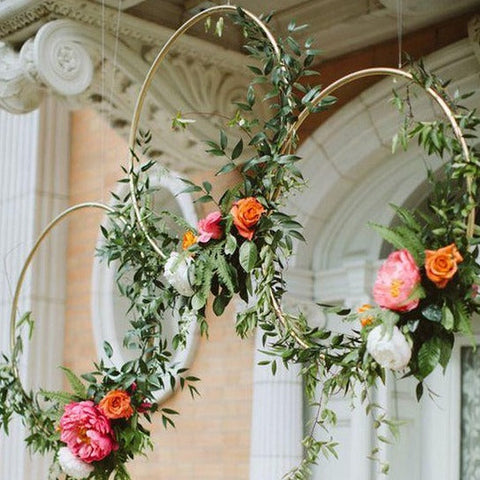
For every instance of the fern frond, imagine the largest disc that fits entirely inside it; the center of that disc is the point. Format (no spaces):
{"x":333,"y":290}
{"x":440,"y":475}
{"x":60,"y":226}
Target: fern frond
{"x":389,"y":235}
{"x":403,"y":237}
{"x":60,"y":397}
{"x":224,"y":273}
{"x":180,"y":221}
{"x":408,"y":218}
{"x":463,"y":321}
{"x":412,"y":243}
{"x":207,"y":278}
{"x":77,"y":385}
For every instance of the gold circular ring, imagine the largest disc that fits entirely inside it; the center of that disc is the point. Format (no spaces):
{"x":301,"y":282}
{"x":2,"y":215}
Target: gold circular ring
{"x":393,"y":72}
{"x":146,"y":85}
{"x":13,"y":312}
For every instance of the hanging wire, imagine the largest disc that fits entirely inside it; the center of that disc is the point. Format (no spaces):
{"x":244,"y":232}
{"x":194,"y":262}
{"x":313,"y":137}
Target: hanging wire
{"x":111,"y":88}
{"x":115,"y":55}
{"x":400,"y":31}
{"x":101,"y":125}
{"x":107,"y":91}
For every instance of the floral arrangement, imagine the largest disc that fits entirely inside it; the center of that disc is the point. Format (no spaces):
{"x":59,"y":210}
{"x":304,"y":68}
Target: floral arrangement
{"x":425,"y":292}
{"x":100,"y":434}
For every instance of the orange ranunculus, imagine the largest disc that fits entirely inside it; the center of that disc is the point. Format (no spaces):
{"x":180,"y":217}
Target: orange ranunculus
{"x":189,"y":239}
{"x":246,"y":213}
{"x":365,"y":319}
{"x":116,"y":404}
{"x":364,"y":308}
{"x":441,"y":264}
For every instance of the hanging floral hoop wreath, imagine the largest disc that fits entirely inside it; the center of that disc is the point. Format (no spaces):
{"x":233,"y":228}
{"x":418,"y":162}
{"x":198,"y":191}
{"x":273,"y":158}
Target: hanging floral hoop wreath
{"x":425,"y":291}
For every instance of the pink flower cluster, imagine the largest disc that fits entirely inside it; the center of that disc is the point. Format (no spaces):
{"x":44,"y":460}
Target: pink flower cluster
{"x":87,"y":431}
{"x":396,"y":282}
{"x":246,"y":214}
{"x":209,"y":227}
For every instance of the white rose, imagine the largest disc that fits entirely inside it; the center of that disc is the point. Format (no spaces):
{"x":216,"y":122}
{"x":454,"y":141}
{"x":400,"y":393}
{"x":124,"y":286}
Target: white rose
{"x":177,"y":272}
{"x":72,"y":465}
{"x":391,"y":352}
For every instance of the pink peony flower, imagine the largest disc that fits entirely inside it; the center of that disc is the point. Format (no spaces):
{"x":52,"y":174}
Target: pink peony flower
{"x":396,"y":281}
{"x":209,"y":227}
{"x":87,"y":431}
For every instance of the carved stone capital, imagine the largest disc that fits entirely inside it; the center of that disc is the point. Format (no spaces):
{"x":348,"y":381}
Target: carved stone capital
{"x":52,"y":60}
{"x":19,"y":93}
{"x":60,"y":60}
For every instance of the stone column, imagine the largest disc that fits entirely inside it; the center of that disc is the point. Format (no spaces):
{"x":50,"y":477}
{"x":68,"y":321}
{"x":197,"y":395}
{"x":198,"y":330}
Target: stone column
{"x":277,"y":405}
{"x":33,"y":180}
{"x":277,"y":419}
{"x":359,"y":275}
{"x":349,"y":285}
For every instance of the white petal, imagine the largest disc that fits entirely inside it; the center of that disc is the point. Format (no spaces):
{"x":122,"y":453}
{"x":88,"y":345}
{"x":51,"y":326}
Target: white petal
{"x":72,"y":465}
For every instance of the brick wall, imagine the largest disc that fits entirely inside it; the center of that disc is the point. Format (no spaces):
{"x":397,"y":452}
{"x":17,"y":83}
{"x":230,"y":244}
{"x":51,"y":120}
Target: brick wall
{"x":212,"y":436}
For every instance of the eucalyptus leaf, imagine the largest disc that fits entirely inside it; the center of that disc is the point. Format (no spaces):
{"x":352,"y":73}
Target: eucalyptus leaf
{"x":107,"y":348}
{"x":248,"y":256}
{"x":448,"y":320}
{"x":198,"y":301}
{"x":433,"y":313}
{"x":230,"y":244}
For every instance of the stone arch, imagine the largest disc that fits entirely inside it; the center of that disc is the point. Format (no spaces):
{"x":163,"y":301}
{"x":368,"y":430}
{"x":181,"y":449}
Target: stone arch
{"x":352,"y":175}
{"x":351,"y":171}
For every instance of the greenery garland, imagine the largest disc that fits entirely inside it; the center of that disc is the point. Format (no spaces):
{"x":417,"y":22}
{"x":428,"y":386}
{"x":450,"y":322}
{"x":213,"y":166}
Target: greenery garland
{"x":425,"y":291}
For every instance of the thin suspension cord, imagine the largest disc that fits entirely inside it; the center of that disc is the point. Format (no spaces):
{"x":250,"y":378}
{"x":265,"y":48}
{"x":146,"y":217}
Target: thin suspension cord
{"x":109,"y":91}
{"x":103,"y":148}
{"x":115,"y":56}
{"x":400,"y":31}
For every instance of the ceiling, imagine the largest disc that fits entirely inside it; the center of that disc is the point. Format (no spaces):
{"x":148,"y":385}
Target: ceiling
{"x":339,"y":26}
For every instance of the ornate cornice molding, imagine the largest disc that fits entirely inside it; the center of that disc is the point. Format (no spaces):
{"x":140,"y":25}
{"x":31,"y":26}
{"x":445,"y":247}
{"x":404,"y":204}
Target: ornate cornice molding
{"x":19,"y":19}
{"x":86,"y":65}
{"x":425,"y":7}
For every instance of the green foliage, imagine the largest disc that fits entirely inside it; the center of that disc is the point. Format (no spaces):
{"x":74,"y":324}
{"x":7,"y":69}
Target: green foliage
{"x":428,"y":357}
{"x":248,"y":256}
{"x":75,"y":382}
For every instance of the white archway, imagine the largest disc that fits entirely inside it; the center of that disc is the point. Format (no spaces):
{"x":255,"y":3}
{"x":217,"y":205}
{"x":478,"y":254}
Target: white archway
{"x":352,"y":176}
{"x":358,"y":177}
{"x":109,"y":318}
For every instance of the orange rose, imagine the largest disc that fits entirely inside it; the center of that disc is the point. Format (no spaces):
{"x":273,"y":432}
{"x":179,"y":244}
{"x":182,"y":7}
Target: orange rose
{"x":189,"y":239}
{"x":246,"y":213}
{"x":441,"y":264}
{"x":116,"y":404}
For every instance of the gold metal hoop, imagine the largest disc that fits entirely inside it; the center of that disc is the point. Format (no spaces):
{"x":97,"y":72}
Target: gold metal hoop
{"x":393,"y":72}
{"x":13,"y":313}
{"x":146,"y":85}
